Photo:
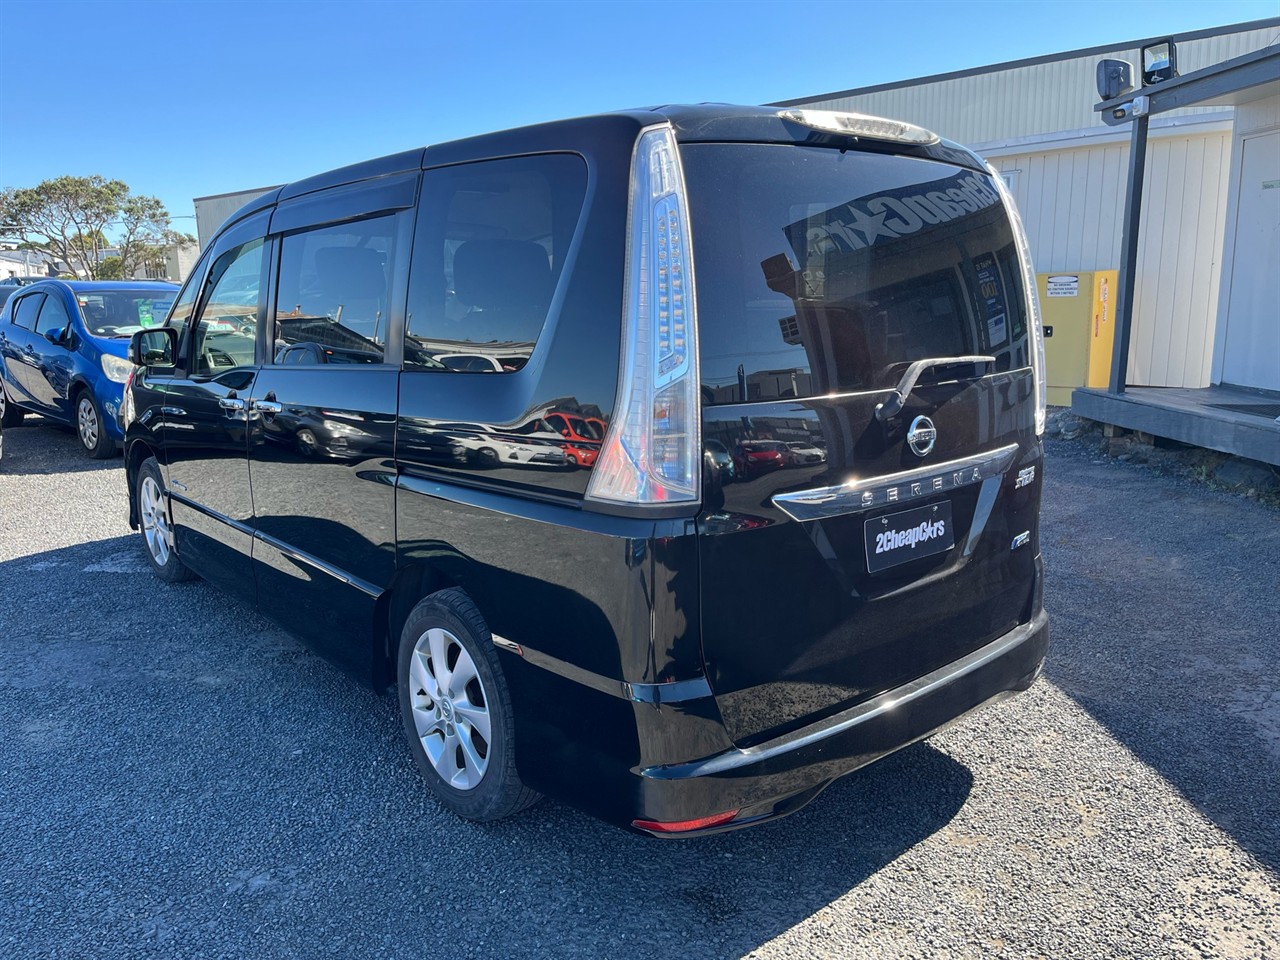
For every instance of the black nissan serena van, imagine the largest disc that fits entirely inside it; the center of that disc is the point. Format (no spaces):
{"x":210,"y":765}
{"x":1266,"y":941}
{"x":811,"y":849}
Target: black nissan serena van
{"x":354,"y":416}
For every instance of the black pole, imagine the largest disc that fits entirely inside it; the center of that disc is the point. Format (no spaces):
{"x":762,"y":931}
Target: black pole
{"x":1129,"y":255}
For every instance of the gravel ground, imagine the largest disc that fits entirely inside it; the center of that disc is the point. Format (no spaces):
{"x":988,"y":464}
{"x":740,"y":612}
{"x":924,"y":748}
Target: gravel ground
{"x":180,"y":778}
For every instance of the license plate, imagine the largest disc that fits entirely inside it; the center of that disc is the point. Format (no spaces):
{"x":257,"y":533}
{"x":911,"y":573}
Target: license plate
{"x":909,"y":535}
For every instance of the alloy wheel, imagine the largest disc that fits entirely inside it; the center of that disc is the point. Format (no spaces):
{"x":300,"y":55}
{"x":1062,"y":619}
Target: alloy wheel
{"x":87,"y":422}
{"x":155,"y":521}
{"x":450,"y":709}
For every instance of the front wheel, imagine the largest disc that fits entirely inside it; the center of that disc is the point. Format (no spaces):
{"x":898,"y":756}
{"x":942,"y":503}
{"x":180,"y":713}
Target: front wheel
{"x":91,"y":428}
{"x":157,"y":528}
{"x":457,"y":709}
{"x":307,"y":443}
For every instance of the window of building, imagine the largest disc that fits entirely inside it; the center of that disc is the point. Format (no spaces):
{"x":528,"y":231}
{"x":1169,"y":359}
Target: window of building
{"x":1010,"y":178}
{"x":492,"y":242}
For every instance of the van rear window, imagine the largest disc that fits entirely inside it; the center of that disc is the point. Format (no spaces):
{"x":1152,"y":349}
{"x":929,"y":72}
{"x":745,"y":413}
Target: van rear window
{"x":492,"y":240}
{"x":821,"y":271}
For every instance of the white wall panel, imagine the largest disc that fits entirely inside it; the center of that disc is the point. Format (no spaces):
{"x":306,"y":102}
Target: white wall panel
{"x":1071,"y":201}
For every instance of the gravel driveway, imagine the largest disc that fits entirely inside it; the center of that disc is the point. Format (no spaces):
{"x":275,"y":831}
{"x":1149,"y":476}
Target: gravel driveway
{"x":180,"y":778}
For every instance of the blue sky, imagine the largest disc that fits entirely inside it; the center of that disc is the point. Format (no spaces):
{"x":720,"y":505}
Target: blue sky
{"x":187,"y":99}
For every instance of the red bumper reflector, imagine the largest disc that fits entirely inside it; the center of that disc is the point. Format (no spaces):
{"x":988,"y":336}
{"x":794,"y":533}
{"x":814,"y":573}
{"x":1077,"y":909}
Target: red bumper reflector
{"x":683,"y":826}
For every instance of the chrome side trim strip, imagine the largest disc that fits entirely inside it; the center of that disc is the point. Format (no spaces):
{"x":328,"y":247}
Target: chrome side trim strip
{"x":316,"y":563}
{"x":502,"y":643}
{"x":898,"y":698}
{"x":201,"y":508}
{"x":678,"y":691}
{"x":864,"y":494}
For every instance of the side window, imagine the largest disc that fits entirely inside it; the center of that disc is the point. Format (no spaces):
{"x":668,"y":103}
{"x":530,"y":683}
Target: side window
{"x":334,"y":293}
{"x":226,"y":330}
{"x":53,"y":315}
{"x":27,"y":309}
{"x":492,"y":241}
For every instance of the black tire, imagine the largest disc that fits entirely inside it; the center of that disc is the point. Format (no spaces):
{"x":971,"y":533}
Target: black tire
{"x":497,"y":791}
{"x":150,"y":496}
{"x":306,"y":443}
{"x":10,"y":413}
{"x":487,"y":457}
{"x":91,"y":428}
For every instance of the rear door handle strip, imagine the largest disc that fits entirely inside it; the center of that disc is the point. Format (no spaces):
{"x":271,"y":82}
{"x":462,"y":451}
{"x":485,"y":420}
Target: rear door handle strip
{"x":267,"y":406}
{"x":896,"y":488}
{"x":231,"y":403}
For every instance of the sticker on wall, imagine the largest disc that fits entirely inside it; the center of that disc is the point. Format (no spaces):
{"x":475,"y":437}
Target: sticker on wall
{"x":1063,"y":285}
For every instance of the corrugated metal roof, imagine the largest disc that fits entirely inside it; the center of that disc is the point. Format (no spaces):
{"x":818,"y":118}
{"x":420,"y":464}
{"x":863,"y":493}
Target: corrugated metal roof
{"x":1272,"y":23}
{"x":1035,"y":96}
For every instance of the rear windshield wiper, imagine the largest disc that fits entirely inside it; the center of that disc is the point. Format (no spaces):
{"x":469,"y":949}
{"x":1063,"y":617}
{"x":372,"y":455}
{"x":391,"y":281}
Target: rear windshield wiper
{"x":893,"y":406}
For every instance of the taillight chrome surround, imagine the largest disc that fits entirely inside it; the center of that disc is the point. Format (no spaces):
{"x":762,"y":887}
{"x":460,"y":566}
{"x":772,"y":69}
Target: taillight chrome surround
{"x":651,"y":454}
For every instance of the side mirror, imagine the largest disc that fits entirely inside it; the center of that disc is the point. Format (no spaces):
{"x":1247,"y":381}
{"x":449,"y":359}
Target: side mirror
{"x":56,"y":336}
{"x":154,"y":347}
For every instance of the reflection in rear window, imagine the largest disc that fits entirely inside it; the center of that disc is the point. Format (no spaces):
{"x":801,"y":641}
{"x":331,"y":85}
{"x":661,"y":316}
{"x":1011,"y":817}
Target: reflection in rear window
{"x":820,"y":271}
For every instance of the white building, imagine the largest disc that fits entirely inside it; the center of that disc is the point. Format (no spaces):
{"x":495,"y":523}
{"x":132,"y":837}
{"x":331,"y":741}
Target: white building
{"x":212,"y":211}
{"x":1211,"y":180}
{"x":178,"y":261}
{"x":23,"y":263}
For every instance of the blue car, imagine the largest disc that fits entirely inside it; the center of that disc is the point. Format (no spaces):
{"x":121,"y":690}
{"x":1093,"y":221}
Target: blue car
{"x":62,"y":352}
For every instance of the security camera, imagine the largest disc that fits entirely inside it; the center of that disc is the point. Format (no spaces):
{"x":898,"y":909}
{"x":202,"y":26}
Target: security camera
{"x":1137,"y":107}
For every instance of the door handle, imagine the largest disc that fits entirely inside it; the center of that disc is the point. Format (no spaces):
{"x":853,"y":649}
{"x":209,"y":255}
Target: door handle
{"x":267,"y":406}
{"x":231,"y":403}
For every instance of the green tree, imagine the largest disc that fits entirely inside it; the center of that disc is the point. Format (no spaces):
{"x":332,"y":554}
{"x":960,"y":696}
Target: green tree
{"x":146,"y":235}
{"x":67,"y":217}
{"x":111,"y":269}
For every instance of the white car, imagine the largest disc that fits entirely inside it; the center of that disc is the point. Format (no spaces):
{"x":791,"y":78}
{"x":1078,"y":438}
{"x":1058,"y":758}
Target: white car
{"x":490,"y":447}
{"x":800,"y":453}
{"x":470,"y":362}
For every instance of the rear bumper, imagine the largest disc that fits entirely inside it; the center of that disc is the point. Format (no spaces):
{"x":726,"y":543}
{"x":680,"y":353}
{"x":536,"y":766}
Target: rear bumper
{"x":779,"y":776}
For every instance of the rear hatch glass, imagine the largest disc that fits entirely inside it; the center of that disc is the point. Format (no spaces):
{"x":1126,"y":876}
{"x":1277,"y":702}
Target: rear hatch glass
{"x":820,"y":271}
{"x":821,"y":275}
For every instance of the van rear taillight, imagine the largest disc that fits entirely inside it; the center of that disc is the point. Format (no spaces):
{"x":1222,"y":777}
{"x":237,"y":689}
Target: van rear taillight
{"x":650,"y":454}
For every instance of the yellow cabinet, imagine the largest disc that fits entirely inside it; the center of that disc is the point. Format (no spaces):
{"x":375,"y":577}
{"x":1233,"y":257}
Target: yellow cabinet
{"x":1077,"y":311}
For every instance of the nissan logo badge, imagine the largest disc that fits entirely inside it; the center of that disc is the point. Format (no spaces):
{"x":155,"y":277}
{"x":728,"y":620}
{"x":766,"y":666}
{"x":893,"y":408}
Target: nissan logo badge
{"x":921,"y":436}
